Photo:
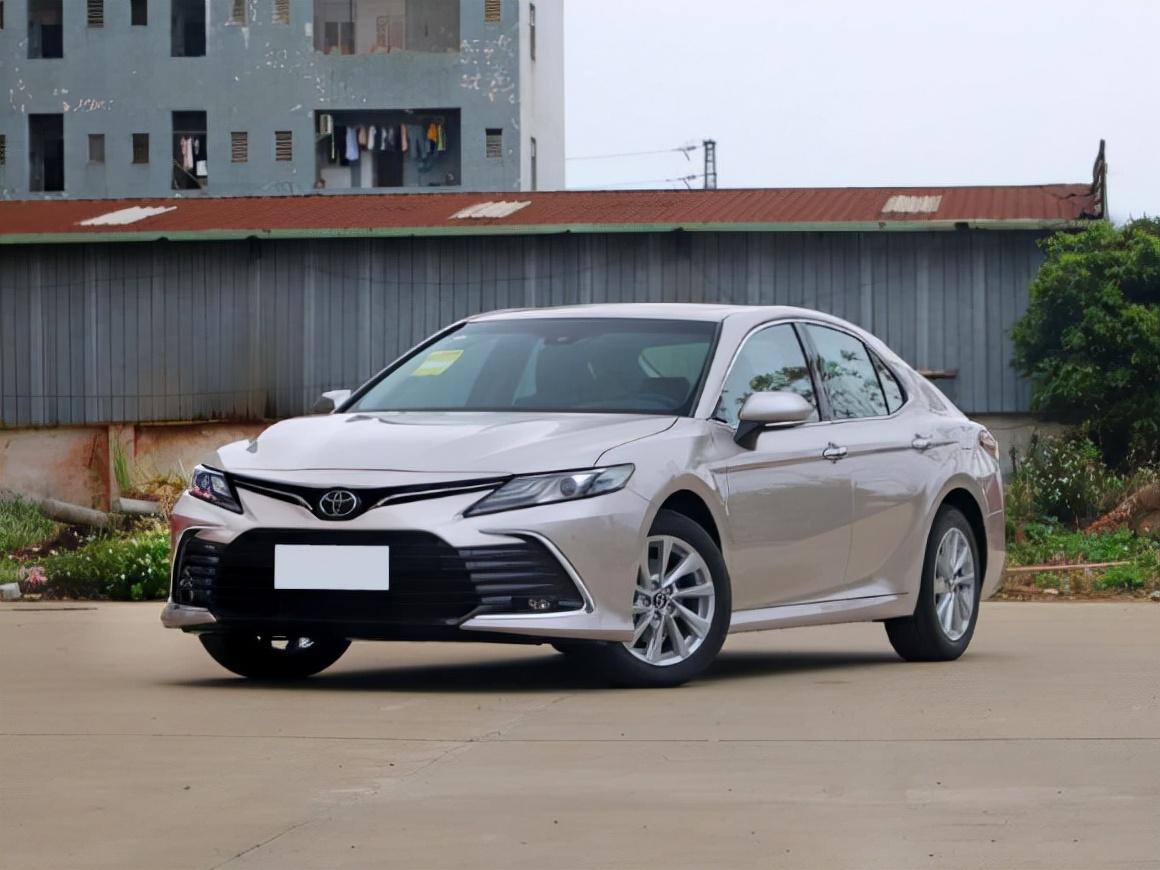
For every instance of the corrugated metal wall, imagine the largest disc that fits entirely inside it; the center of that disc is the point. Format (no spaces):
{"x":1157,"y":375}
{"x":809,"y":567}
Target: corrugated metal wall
{"x":245,"y":330}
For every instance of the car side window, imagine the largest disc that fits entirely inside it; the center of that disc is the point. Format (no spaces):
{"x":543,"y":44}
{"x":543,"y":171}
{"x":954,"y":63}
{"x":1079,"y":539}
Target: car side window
{"x":895,"y":397}
{"x":769,"y":361}
{"x":848,"y":376}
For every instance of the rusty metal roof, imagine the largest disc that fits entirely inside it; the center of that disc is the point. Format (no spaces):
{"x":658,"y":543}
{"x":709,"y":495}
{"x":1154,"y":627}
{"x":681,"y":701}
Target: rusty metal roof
{"x":1046,"y":206}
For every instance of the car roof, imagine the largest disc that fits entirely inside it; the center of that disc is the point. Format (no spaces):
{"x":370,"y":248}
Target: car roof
{"x":655,"y":310}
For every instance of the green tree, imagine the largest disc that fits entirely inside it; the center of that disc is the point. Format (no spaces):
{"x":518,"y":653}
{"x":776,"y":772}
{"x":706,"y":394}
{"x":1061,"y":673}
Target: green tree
{"x":1090,"y":340}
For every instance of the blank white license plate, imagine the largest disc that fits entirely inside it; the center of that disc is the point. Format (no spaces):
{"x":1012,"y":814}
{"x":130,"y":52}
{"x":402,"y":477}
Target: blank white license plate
{"x":326,"y":567}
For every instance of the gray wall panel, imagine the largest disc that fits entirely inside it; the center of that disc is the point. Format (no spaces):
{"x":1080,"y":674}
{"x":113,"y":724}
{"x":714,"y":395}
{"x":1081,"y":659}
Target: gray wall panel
{"x":242,"y":330}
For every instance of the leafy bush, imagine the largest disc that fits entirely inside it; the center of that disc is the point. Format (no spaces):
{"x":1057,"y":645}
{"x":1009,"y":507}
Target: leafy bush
{"x":1045,"y":544}
{"x":22,"y":525}
{"x":1090,"y":340}
{"x":1124,"y":578}
{"x":1062,"y":477}
{"x":132,"y":568}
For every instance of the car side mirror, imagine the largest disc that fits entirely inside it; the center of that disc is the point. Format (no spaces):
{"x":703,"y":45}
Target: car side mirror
{"x":781,"y":410}
{"x":329,"y":401}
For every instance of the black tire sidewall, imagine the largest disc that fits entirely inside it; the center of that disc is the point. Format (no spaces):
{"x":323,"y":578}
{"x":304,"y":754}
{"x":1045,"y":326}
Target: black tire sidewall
{"x":247,"y":656}
{"x":947,"y":518}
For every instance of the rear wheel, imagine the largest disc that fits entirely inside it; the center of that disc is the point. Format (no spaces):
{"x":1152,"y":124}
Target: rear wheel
{"x":680,"y":609}
{"x":272,"y":658}
{"x":948,"y":600}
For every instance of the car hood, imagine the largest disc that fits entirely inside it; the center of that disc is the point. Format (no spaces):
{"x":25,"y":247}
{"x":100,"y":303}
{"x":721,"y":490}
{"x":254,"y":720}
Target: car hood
{"x":437,"y":442}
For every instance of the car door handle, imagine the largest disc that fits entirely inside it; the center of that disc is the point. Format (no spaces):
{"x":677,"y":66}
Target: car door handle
{"x":833,"y":452}
{"x":921,"y":443}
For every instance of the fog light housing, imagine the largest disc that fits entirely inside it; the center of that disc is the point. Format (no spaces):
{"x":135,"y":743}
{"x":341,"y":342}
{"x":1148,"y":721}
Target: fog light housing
{"x":540,"y":604}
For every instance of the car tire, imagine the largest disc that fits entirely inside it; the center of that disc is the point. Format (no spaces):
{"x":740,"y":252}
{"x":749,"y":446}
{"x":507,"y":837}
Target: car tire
{"x":259,"y":658}
{"x":937,"y":631}
{"x":629,"y":669}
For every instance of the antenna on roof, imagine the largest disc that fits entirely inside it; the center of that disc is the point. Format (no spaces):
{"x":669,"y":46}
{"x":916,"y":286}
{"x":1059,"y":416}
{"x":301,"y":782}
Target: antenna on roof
{"x":710,"y":147}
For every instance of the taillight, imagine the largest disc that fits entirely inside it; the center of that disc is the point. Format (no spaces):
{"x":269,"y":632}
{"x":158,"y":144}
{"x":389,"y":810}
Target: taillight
{"x":988,"y":443}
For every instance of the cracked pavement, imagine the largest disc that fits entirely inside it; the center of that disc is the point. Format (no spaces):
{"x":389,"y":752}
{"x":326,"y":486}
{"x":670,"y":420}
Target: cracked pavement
{"x":123,"y":745}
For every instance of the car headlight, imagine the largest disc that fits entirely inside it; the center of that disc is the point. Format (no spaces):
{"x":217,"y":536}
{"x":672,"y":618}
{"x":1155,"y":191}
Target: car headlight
{"x":211,"y":485}
{"x":536,"y":489}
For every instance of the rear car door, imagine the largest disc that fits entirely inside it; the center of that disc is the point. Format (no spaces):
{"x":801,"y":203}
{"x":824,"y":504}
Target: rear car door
{"x":889,"y":458}
{"x":789,"y":507}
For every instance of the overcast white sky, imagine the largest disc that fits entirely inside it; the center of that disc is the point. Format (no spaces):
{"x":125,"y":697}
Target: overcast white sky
{"x":849,"y":92}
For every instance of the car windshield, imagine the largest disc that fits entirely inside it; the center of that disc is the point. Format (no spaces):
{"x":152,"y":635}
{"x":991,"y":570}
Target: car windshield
{"x":537,"y":364}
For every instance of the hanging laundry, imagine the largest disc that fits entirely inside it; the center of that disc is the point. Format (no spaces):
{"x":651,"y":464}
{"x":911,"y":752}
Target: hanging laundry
{"x":351,"y":144}
{"x":371,"y":137}
{"x":362,"y":137}
{"x":404,"y":143}
{"x":185,"y":144}
{"x":392,"y":139}
{"x":442,"y":138}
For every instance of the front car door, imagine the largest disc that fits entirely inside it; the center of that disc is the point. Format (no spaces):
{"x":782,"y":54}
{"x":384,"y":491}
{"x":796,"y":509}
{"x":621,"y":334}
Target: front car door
{"x":890,"y":457}
{"x":789,"y":507}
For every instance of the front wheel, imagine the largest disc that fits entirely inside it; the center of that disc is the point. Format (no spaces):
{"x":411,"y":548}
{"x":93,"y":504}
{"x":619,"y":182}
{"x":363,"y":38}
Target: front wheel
{"x":271,"y":658}
{"x":948,"y":600}
{"x":681,"y":607}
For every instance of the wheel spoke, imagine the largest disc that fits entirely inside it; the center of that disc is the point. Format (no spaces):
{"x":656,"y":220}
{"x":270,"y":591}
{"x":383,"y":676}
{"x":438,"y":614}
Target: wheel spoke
{"x":641,"y":626}
{"x":946,"y":611}
{"x":966,"y":580}
{"x":656,"y":641}
{"x":961,"y":553}
{"x":964,"y":605}
{"x":688,"y":565}
{"x":698,"y":624}
{"x":679,"y":643}
{"x":666,"y":554}
{"x":701,"y":590}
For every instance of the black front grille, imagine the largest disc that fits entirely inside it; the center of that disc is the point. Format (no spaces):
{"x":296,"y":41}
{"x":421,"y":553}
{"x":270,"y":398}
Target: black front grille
{"x":431,"y":582}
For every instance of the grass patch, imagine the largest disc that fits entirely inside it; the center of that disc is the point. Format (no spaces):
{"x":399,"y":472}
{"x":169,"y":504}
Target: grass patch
{"x":1051,"y":544}
{"x":128,"y":567}
{"x":23,"y":526}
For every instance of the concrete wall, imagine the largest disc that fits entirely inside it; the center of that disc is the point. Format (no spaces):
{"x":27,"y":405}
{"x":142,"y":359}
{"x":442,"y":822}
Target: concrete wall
{"x":259,"y":78}
{"x":75,"y":463}
{"x":542,"y":102}
{"x":94,"y":334}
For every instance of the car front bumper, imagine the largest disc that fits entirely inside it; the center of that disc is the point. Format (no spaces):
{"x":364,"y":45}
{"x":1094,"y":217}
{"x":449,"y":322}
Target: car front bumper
{"x":592,"y":545}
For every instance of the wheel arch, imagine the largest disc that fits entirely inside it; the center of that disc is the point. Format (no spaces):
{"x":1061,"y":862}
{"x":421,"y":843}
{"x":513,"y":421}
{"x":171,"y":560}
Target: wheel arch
{"x":692,"y":505}
{"x":968,"y":505}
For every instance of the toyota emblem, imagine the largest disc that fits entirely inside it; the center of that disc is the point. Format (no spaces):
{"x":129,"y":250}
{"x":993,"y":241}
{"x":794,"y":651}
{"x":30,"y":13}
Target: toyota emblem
{"x":338,"y":504}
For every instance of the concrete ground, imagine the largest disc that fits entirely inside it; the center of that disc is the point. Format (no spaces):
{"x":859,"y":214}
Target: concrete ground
{"x":123,"y":746}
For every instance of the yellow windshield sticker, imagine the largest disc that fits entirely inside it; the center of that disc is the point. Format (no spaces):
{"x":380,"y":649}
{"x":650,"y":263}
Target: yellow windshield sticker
{"x":437,"y":362}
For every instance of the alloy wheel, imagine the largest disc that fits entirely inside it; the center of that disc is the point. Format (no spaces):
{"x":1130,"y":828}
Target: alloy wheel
{"x":672,"y":607}
{"x":954,"y":584}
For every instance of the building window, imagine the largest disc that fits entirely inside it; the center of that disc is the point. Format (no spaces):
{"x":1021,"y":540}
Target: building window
{"x":492,"y":11}
{"x":1,"y":14}
{"x":190,"y":155}
{"x":535,"y":167}
{"x":96,"y":148}
{"x":238,"y":12}
{"x":494,"y":146}
{"x":46,"y":152}
{"x":281,"y":11}
{"x":532,"y":30}
{"x":239,"y":147}
{"x":96,"y":13}
{"x":187,"y":24}
{"x":139,"y":13}
{"x":3,"y":149}
{"x":283,"y":145}
{"x":344,"y":27}
{"x":364,"y":148}
{"x":140,"y":147}
{"x":45,"y":29}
